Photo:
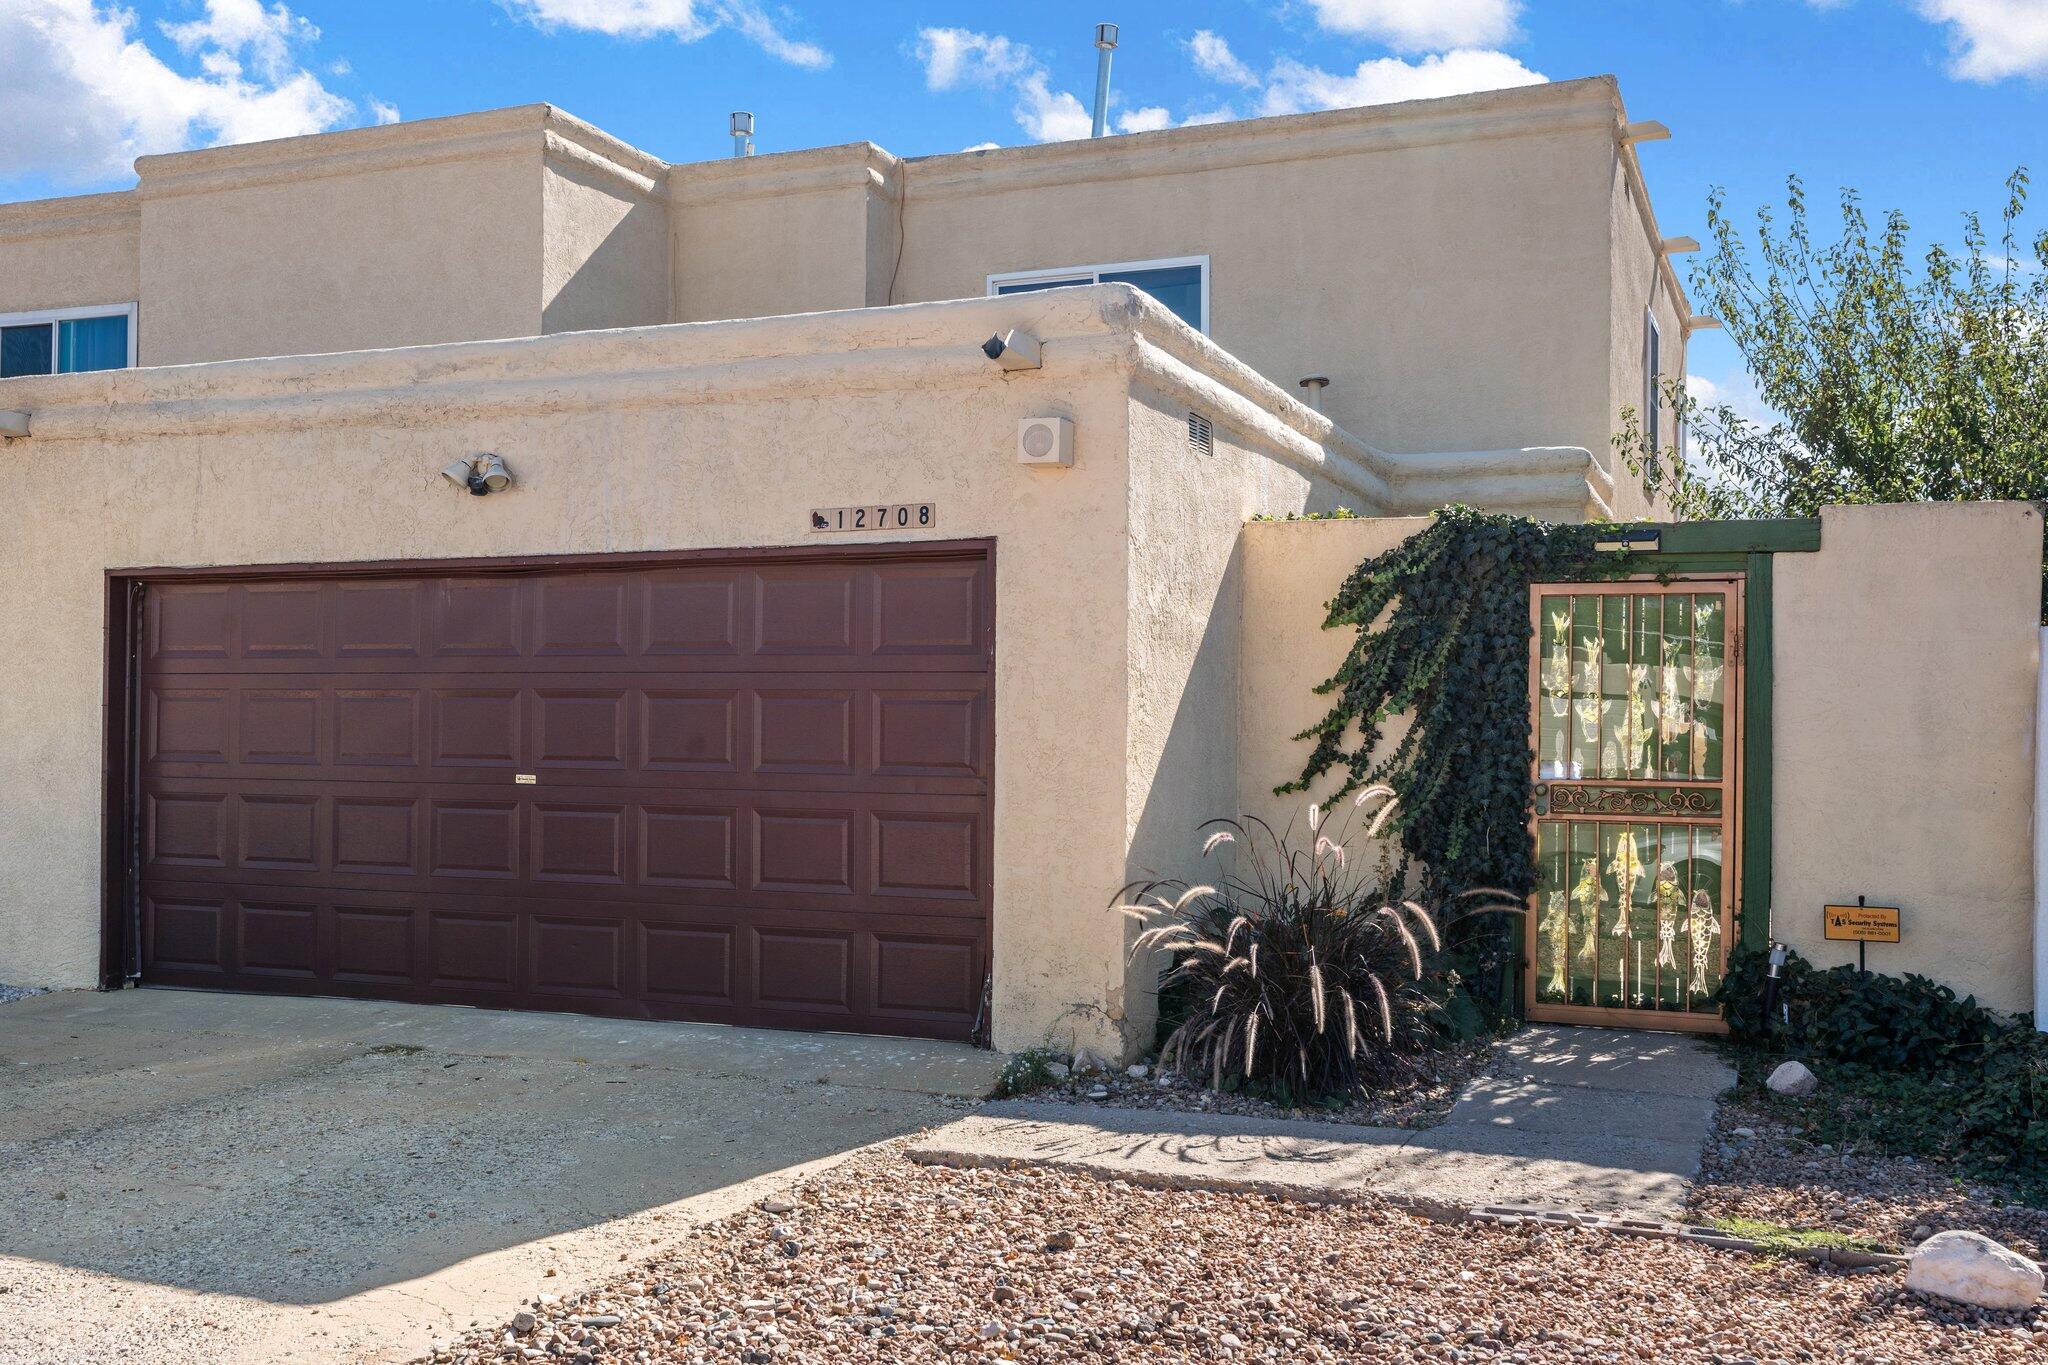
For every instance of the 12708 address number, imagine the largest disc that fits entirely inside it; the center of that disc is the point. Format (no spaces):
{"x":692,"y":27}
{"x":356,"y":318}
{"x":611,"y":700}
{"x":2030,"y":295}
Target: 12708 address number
{"x":881,"y":516}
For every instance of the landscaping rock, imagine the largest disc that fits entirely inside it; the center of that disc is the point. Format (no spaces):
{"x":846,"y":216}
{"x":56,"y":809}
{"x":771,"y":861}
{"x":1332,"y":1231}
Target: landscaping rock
{"x":523,"y":1322}
{"x":1969,"y":1267}
{"x":1793,"y":1078}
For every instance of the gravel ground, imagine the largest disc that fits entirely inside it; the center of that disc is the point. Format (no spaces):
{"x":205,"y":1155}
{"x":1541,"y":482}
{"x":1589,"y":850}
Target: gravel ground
{"x":1419,"y":1103}
{"x":880,"y":1259}
{"x":1756,"y":1167}
{"x":9,"y":994}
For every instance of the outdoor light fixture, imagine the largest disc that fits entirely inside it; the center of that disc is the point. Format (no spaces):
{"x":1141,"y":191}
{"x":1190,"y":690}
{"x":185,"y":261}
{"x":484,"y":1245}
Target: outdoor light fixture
{"x":480,"y":474}
{"x":13,"y":424}
{"x":1629,"y":539}
{"x":1013,"y":350}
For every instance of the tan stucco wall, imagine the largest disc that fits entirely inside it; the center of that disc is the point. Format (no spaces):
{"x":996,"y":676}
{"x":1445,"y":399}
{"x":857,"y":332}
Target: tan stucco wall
{"x":1291,"y":571}
{"x":70,"y":253}
{"x":1451,"y":289}
{"x":250,"y":251}
{"x":748,"y":425}
{"x":1642,"y":278}
{"x":794,"y":233}
{"x":1905,"y":664}
{"x":604,"y":250}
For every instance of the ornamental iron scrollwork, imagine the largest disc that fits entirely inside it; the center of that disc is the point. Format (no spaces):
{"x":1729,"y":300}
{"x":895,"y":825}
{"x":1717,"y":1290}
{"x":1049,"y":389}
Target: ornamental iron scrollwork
{"x":1654,"y":801}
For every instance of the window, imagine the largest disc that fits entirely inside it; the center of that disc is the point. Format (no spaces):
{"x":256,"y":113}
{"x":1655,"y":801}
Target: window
{"x":1182,"y":284}
{"x":1653,"y":398}
{"x":67,"y":340}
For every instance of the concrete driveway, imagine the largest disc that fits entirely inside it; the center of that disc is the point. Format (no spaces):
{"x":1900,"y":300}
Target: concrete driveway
{"x":242,"y":1179}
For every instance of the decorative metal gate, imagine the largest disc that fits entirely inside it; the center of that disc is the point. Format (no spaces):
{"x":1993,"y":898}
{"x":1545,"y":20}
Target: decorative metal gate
{"x":1635,"y":688}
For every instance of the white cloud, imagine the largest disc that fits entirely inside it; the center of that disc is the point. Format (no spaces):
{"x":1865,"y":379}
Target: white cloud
{"x":954,"y":57}
{"x":245,"y":29}
{"x":1147,"y":120}
{"x":1422,"y":25}
{"x":83,"y":95}
{"x":1048,"y":115}
{"x":1294,"y":87}
{"x":686,"y":21}
{"x":384,"y":111}
{"x":957,"y":57}
{"x":1225,"y":114}
{"x":1993,"y":39}
{"x":1214,"y":59}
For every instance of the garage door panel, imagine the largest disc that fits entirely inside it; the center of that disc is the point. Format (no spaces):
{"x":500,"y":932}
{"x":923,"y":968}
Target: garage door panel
{"x":375,"y":622}
{"x":743,"y":792}
{"x":930,"y":609}
{"x":280,"y":832}
{"x":277,"y":939}
{"x":283,"y":621}
{"x":583,"y":617}
{"x":804,"y":610}
{"x":694,"y":612}
{"x":478,"y":618}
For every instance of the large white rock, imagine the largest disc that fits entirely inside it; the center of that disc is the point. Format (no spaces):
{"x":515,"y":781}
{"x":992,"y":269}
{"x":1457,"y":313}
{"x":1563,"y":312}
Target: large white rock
{"x":1792,"y":1078}
{"x":1971,"y":1268}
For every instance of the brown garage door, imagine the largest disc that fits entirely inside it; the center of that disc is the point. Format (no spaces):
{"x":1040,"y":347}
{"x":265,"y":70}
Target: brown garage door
{"x":747,"y":789}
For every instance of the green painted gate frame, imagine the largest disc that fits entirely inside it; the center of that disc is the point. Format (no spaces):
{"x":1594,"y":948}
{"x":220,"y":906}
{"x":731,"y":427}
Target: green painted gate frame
{"x":1748,"y":548}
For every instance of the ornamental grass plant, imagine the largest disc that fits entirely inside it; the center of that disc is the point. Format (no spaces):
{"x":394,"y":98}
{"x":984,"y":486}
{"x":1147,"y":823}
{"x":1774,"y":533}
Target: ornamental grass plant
{"x":1307,"y":974}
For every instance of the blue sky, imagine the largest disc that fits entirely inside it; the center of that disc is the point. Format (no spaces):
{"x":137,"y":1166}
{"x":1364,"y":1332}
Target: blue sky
{"x":1925,"y":105}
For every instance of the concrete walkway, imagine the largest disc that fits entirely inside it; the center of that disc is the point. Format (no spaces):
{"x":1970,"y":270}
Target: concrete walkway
{"x":240,"y":1179}
{"x":1599,"y":1120}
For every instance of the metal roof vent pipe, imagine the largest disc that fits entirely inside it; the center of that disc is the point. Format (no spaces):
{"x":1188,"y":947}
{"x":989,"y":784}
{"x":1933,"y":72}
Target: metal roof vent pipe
{"x":1105,"y":43}
{"x":742,"y":134}
{"x":1312,"y":387}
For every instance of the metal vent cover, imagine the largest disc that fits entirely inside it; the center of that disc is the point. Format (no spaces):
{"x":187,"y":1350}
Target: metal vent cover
{"x":1201,"y":436}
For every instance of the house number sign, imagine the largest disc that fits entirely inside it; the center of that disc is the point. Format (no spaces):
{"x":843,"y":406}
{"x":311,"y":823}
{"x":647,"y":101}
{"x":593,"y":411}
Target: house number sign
{"x":876,"y":516}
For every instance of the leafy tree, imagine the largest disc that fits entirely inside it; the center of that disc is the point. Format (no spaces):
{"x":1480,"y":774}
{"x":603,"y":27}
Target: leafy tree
{"x":1899,"y":381}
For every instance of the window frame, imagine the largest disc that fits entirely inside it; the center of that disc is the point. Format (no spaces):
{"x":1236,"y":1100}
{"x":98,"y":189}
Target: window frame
{"x":1081,"y":275}
{"x":1653,"y":359}
{"x":53,"y":316}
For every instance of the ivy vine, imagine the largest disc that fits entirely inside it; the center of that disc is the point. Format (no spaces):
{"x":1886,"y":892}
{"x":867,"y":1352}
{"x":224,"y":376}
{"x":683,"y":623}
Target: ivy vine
{"x":1443,"y":628}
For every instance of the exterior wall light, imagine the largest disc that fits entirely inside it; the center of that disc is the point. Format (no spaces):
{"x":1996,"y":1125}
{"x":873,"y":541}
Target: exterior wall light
{"x":1630,"y":539}
{"x":13,"y":425}
{"x":480,"y":474}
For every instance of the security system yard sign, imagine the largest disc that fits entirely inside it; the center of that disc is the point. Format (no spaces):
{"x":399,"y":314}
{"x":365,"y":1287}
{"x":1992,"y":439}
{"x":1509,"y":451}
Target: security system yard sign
{"x":1861,"y":924}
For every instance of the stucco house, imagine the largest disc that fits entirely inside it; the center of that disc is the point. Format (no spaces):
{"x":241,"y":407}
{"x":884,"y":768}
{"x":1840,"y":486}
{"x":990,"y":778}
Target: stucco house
{"x":807,"y":659}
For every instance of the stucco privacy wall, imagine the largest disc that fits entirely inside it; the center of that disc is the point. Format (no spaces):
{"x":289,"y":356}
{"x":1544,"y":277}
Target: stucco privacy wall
{"x":70,"y":253}
{"x":1291,"y":571}
{"x":1905,"y":667}
{"x":662,"y":438}
{"x":1904,"y":676}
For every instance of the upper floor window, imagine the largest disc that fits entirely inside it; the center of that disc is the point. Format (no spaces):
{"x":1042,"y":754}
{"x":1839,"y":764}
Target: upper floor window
{"x":1182,"y":284}
{"x":67,"y":340}
{"x":1653,"y":394}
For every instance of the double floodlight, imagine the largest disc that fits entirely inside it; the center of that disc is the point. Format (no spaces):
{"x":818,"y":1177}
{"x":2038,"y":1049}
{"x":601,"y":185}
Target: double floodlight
{"x":480,"y":474}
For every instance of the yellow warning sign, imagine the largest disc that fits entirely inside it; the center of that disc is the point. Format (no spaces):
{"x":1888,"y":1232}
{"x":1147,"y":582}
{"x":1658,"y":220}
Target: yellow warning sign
{"x":1863,"y":923}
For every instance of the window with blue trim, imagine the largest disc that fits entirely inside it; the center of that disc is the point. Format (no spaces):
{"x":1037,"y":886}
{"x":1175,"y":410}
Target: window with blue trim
{"x":72,"y":341}
{"x":1180,"y":285}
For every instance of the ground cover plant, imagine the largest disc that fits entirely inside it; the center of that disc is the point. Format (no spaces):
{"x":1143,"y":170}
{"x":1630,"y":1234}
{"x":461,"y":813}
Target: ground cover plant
{"x":1906,"y":1068}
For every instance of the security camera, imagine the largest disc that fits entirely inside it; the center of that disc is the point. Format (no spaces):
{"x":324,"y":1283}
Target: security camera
{"x":1013,"y":350}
